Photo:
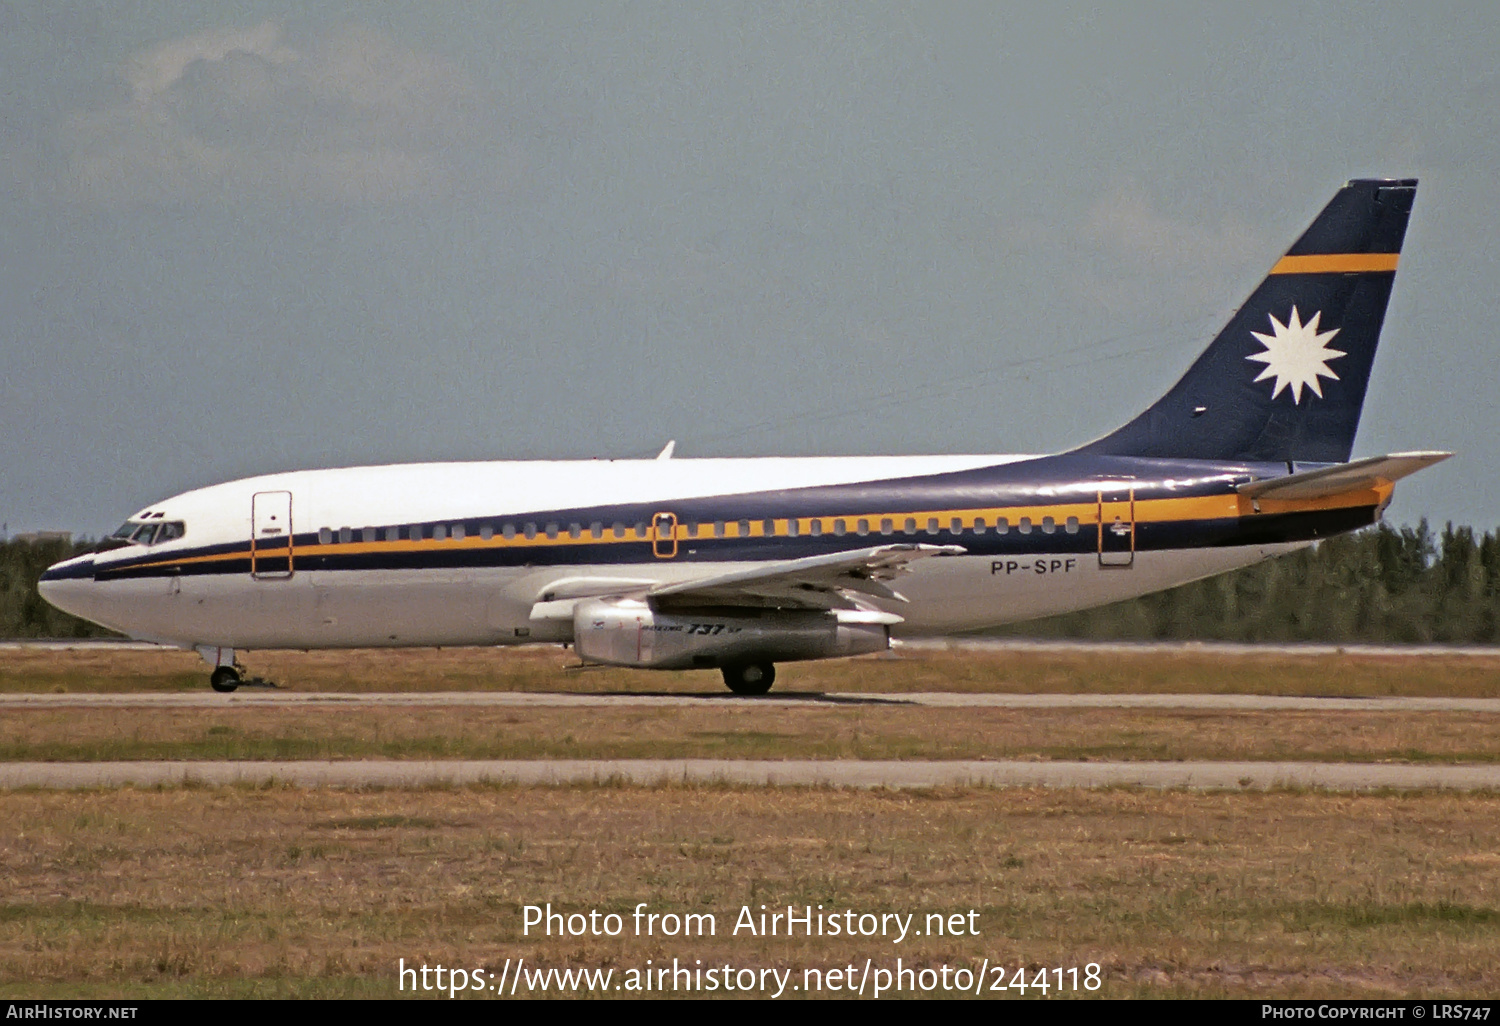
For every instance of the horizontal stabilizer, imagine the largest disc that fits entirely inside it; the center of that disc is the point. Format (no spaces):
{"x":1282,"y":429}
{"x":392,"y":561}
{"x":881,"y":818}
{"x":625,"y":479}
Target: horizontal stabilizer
{"x":1345,"y":477}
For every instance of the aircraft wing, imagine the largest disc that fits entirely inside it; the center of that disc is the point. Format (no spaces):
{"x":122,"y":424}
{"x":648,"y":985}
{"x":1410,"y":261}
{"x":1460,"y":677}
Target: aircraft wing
{"x":1344,"y":477}
{"x":815,"y":582}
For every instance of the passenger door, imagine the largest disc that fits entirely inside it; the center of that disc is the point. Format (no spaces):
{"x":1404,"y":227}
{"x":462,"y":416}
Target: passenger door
{"x":1117,"y":524}
{"x":271,"y":552}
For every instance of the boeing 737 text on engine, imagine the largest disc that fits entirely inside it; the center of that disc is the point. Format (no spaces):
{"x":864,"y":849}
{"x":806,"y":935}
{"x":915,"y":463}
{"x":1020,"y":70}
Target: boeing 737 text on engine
{"x":738,"y":564}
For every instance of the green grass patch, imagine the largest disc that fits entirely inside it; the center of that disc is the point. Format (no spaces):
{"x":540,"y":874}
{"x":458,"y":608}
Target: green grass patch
{"x":1361,"y":915}
{"x":383,"y":823}
{"x":752,"y":746}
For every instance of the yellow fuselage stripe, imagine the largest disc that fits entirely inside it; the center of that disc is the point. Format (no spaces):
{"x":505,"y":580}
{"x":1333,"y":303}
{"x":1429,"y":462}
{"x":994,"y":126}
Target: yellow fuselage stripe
{"x":1202,"y":507}
{"x":1336,"y":263}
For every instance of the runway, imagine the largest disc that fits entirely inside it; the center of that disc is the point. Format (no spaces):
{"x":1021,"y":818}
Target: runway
{"x":789,"y":773}
{"x":994,"y":645}
{"x":271,"y":697}
{"x":826,"y":773}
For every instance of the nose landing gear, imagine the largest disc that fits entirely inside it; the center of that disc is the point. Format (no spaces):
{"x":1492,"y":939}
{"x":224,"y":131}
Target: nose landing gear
{"x":227,"y":674}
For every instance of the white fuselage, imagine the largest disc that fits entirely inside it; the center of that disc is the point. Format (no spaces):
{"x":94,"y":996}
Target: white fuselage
{"x":459,"y":604}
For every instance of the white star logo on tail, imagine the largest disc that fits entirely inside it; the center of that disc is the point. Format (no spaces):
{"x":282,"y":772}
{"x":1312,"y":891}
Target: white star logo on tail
{"x":1296,"y":355}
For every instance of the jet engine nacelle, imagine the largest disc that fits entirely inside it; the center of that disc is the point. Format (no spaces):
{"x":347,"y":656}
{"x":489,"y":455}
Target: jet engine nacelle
{"x":628,"y":632}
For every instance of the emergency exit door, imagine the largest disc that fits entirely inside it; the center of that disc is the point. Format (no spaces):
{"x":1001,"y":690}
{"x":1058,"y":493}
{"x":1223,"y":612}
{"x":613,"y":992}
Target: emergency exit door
{"x":271,"y":535}
{"x":664,"y":535}
{"x":1117,"y":525}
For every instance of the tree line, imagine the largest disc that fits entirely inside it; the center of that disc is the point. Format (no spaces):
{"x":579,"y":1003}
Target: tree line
{"x":1382,"y":584}
{"x":23,"y":611}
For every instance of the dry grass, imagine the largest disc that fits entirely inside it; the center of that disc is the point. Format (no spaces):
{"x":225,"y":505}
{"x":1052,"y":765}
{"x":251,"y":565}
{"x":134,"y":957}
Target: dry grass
{"x":292,"y":892}
{"x":744,"y":730}
{"x":545,"y":669}
{"x":287,"y":892}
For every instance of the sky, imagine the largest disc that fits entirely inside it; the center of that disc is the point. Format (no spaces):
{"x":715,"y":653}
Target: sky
{"x":244,"y":237}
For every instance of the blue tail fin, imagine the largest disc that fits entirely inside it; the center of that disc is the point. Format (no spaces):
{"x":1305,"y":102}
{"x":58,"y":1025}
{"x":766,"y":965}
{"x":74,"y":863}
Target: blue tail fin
{"x":1286,"y":378}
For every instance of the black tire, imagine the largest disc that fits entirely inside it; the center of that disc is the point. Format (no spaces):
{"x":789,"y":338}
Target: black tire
{"x":225,"y":679}
{"x":750,"y":678}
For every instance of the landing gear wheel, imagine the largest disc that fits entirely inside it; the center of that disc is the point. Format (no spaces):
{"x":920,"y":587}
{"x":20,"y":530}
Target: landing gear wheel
{"x":750,"y":678}
{"x":225,"y":679}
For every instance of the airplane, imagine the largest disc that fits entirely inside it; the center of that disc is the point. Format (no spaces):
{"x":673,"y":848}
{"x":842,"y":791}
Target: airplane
{"x":739,"y":564}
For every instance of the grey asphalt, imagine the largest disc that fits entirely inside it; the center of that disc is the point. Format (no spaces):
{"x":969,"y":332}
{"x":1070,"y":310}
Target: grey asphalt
{"x":270,"y":697}
{"x":944,"y":644}
{"x":830,"y":773}
{"x":1229,"y":648}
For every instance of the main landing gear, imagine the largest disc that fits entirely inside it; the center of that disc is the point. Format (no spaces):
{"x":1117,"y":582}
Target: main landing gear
{"x":750,"y":678}
{"x":225,"y":679}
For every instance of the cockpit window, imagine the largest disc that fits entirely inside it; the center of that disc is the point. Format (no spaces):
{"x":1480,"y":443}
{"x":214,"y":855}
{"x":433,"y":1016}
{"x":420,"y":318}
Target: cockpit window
{"x":134,"y":532}
{"x":119,"y":539}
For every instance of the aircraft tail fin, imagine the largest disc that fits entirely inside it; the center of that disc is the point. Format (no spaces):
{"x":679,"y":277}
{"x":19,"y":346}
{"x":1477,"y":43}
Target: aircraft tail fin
{"x":1286,"y":377}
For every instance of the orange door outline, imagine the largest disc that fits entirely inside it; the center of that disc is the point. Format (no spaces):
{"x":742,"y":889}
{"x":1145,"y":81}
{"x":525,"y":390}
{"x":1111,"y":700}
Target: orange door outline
{"x":664,"y":535}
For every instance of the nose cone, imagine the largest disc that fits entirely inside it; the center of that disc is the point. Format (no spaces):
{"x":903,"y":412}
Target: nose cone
{"x":67,"y":585}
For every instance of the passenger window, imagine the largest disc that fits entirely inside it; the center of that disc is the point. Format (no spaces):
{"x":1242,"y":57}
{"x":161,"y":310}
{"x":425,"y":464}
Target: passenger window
{"x":508,"y":531}
{"x":392,"y":533}
{"x":955,"y":526}
{"x":932,"y":525}
{"x":862,"y":528}
{"x":768,"y":528}
{"x":415,"y":532}
{"x":979,"y":525}
{"x":596,"y":530}
{"x":690,"y":530}
{"x":618,"y":530}
{"x":887,"y":526}
{"x":744,"y":528}
{"x":367,"y":534}
{"x":1048,"y":525}
{"x":439,"y":532}
{"x":817,"y":528}
{"x":325,"y":536}
{"x":459,"y":532}
{"x":487,"y":532}
{"x":718,"y":528}
{"x":575,"y":530}
{"x":1025,"y":525}
{"x":641,"y":530}
{"x":1071,"y":526}
{"x":838,"y":528}
{"x":910,"y":527}
{"x":529,"y":530}
{"x":346,"y":535}
{"x":1002,"y":526}
{"x":793,"y":527}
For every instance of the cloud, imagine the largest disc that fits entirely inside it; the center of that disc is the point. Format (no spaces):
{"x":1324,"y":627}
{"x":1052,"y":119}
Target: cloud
{"x":1129,"y":225}
{"x":232,"y":114}
{"x":1144,"y":258}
